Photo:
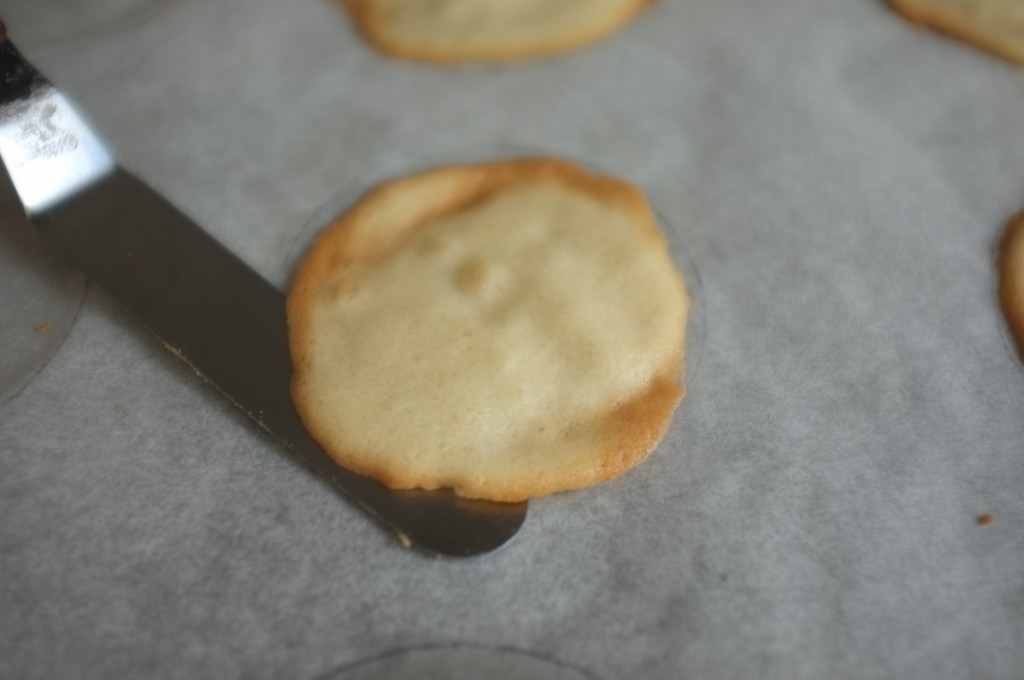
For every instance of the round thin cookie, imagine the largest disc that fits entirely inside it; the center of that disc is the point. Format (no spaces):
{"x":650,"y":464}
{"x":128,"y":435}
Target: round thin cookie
{"x":458,"y":31}
{"x":1011,"y":279}
{"x":993,"y":25}
{"x":506,"y":330}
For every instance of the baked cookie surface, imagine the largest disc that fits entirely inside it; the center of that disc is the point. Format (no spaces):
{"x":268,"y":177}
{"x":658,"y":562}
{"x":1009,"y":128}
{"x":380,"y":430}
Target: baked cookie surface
{"x":506,"y":330}
{"x":454,"y":31}
{"x":993,"y":25}
{"x":1011,"y":279}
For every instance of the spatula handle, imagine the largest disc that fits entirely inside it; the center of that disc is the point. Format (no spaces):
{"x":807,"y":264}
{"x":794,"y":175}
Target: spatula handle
{"x":47,"y":147}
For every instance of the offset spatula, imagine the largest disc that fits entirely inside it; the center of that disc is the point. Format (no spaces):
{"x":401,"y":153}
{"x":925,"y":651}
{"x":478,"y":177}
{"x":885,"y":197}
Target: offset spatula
{"x":207,"y":306}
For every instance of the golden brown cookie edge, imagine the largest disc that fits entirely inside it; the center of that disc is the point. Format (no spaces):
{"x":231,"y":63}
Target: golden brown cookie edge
{"x":1011,"y":279}
{"x":923,"y":14}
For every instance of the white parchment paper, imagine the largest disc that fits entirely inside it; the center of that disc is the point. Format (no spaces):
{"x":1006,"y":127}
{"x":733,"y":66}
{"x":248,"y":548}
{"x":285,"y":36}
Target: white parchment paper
{"x":839,"y":179}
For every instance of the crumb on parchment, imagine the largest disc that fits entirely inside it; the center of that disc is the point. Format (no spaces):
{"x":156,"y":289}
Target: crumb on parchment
{"x":986,"y":519}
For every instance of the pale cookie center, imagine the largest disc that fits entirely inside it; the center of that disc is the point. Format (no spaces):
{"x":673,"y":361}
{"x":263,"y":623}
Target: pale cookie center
{"x":495,"y":329}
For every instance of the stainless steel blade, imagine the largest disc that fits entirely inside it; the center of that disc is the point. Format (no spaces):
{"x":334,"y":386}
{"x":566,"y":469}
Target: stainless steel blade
{"x":208,"y":307}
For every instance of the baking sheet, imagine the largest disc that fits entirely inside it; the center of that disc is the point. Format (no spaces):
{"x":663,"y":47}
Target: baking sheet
{"x":838,"y":177}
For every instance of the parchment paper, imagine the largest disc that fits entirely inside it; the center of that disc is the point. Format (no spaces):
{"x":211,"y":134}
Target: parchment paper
{"x":839,"y":179}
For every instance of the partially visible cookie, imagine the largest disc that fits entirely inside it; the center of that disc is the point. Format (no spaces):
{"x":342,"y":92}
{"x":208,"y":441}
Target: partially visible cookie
{"x":454,"y":31}
{"x":993,"y":25}
{"x":1011,"y":278}
{"x":507,"y":330}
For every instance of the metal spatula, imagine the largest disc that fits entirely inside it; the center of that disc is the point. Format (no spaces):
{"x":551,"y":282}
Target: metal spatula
{"x":207,"y":306}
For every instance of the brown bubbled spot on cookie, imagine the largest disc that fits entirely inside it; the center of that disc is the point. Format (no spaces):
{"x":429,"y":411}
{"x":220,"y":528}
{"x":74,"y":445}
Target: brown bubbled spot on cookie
{"x":470,"y":277}
{"x":432,"y":245}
